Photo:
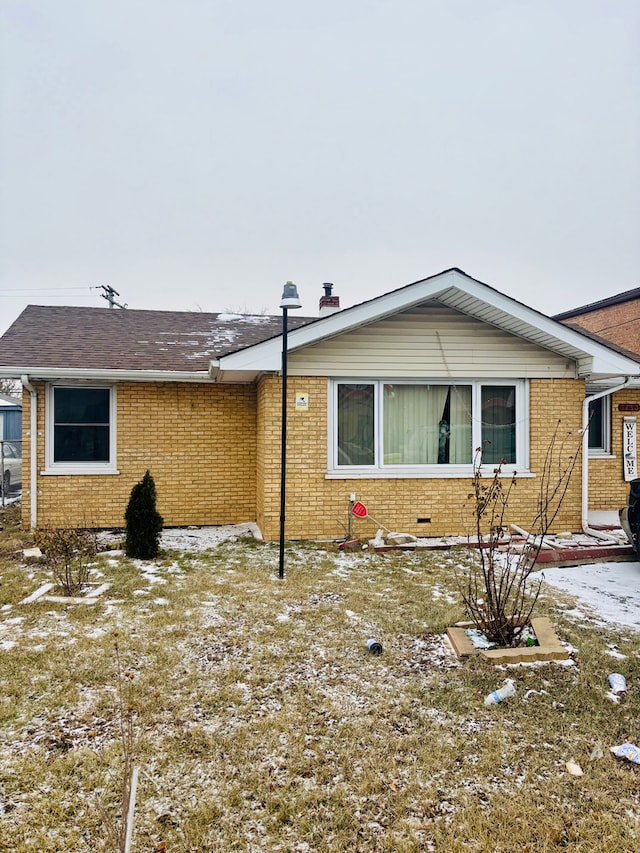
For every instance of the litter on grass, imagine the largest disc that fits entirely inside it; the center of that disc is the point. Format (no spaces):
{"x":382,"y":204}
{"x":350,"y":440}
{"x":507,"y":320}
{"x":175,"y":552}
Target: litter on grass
{"x":505,"y":692}
{"x":596,"y":752}
{"x":618,"y":683}
{"x":478,"y":639}
{"x":628,"y":751}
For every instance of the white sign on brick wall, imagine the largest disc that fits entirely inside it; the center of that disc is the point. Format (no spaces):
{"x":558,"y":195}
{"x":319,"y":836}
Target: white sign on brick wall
{"x":629,"y":455}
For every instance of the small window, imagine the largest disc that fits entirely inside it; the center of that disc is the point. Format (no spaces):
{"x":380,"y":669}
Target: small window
{"x":599,"y":426}
{"x":81,"y":430}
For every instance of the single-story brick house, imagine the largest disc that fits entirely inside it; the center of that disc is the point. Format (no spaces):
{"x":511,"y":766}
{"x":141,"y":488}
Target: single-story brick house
{"x":387,"y":399}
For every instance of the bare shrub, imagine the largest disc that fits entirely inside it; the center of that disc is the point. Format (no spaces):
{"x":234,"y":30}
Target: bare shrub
{"x":497,"y":589}
{"x":68,"y":552}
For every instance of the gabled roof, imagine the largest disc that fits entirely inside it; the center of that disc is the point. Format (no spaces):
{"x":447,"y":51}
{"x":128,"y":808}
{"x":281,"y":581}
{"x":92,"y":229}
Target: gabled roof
{"x":618,"y":299}
{"x":48,"y":340}
{"x":455,"y":289}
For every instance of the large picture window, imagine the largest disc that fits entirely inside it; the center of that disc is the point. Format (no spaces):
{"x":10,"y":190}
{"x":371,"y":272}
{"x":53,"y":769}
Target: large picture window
{"x":81,"y":428}
{"x":385,"y":424}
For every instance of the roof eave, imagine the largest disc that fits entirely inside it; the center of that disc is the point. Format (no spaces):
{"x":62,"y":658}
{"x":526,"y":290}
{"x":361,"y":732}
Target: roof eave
{"x":459,"y":291}
{"x":241,"y":377}
{"x":103,"y":375}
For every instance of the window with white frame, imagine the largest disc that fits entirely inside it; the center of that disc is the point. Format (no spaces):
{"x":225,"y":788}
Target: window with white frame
{"x":80,"y":428}
{"x":599,"y":426}
{"x":381,"y":424}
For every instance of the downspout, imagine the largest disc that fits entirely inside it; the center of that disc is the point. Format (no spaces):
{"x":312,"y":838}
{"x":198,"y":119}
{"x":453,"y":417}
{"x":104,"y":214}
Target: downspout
{"x":585,"y":460}
{"x":33,"y":460}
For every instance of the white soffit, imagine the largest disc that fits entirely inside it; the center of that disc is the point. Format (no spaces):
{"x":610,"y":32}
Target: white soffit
{"x":458,"y":291}
{"x":62,"y":374}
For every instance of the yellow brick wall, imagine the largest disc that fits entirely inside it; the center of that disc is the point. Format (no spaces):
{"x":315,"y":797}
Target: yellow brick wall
{"x":198,"y":441}
{"x":317,"y":507}
{"x":214,"y":452}
{"x":607,"y":488}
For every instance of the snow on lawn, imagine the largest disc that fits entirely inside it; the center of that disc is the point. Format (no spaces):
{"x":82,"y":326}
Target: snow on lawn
{"x":611,"y":591}
{"x":265,"y":724}
{"x":203,"y":538}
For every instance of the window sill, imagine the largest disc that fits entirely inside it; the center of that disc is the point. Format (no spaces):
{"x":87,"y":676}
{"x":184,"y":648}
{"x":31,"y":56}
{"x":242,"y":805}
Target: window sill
{"x":462,"y":472}
{"x":601,"y":454}
{"x":78,"y":470}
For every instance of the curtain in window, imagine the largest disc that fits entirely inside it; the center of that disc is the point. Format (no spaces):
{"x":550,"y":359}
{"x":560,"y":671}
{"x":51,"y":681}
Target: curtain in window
{"x":460,"y":441}
{"x":412,"y":423}
{"x":356,"y":434}
{"x":498,"y":424}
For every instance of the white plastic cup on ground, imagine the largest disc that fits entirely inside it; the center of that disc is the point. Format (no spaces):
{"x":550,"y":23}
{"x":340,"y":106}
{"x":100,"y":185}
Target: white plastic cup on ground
{"x":618,"y":683}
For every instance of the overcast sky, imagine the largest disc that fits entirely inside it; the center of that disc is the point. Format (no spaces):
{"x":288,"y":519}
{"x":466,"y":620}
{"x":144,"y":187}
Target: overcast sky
{"x":196,"y":154}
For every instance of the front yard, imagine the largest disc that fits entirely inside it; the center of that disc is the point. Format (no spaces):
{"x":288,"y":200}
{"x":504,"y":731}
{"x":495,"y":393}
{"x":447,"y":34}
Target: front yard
{"x":260,"y":722}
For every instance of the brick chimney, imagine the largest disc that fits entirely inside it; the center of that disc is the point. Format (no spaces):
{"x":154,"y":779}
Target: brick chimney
{"x":328,"y":304}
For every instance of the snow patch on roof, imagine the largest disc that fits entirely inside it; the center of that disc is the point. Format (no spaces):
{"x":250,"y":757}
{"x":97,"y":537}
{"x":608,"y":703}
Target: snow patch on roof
{"x":211,"y":338}
{"x":208,"y":353}
{"x":244,"y":318}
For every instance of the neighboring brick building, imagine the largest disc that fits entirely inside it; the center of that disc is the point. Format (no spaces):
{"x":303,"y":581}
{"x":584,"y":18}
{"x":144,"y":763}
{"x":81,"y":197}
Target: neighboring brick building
{"x":388,"y":399}
{"x":616,"y":319}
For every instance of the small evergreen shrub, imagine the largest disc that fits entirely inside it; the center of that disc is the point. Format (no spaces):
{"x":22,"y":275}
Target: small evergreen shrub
{"x":143,"y":521}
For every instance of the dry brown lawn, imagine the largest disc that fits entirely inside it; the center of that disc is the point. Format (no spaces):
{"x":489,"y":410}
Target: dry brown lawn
{"x":261,"y":723}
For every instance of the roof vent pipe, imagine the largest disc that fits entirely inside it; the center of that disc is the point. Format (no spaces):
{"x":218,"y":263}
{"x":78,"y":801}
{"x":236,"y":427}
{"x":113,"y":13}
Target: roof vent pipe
{"x":328,"y":304}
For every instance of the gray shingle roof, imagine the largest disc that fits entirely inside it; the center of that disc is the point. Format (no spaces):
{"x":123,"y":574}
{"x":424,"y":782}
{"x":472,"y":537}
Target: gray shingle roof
{"x":115,"y":339}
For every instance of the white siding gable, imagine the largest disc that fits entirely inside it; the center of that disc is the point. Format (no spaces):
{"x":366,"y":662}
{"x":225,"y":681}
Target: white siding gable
{"x":429,"y":341}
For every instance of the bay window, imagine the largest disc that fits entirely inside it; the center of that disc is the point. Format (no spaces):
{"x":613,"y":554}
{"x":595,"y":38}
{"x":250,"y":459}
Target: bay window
{"x":424,"y":426}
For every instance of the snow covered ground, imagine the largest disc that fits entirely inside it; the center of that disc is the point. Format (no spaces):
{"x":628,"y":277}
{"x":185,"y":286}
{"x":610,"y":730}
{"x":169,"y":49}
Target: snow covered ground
{"x":609,"y":591}
{"x":203,"y":538}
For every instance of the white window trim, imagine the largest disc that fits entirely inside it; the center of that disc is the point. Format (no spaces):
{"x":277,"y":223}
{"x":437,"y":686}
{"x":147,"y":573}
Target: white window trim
{"x":59,"y":468}
{"x":446,"y":471}
{"x":603,"y":452}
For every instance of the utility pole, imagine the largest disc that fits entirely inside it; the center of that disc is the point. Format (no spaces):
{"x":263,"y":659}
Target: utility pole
{"x":109,"y":294}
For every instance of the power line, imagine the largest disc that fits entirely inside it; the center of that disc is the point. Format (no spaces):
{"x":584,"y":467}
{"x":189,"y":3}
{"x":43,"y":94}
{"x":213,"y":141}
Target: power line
{"x":23,"y":291}
{"x":109,"y":293}
{"x":615,"y":325}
